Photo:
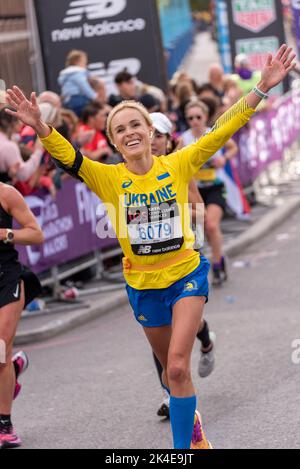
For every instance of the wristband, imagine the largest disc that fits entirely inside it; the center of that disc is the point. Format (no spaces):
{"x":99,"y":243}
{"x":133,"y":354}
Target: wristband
{"x":260,"y":93}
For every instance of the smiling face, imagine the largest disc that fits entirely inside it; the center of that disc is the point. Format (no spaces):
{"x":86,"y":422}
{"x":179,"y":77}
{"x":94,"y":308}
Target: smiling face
{"x":131,"y":134}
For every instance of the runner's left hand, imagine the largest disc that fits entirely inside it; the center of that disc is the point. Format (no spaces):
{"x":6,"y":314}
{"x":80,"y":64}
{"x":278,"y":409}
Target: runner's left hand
{"x":277,"y":68}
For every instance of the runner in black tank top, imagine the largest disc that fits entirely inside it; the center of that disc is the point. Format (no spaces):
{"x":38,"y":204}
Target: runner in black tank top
{"x":18,"y":287}
{"x":12,"y":272}
{"x":8,"y":252}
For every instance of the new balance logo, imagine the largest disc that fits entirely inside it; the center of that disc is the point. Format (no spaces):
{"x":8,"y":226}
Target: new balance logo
{"x":2,"y":91}
{"x":2,"y":352}
{"x":93,"y":9}
{"x":145,"y":250}
{"x":98,"y":69}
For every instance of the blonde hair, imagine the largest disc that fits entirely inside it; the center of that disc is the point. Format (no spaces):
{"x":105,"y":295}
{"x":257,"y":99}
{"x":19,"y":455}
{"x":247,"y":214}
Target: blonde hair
{"x":74,"y":56}
{"x":127,"y":105}
{"x":197,"y":103}
{"x":184,"y":91}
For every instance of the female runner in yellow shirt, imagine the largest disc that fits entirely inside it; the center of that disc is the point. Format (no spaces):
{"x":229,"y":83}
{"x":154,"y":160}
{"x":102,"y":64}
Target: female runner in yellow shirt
{"x":147,"y":200}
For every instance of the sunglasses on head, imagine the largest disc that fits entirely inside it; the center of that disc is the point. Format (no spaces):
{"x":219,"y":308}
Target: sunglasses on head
{"x":191,"y":118}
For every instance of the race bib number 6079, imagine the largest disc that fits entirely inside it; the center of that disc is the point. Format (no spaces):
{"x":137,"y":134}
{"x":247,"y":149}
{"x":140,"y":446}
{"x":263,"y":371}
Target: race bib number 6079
{"x":155,"y":229}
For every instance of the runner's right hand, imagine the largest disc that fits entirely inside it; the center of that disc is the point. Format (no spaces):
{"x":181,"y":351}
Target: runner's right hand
{"x":26,"y":110}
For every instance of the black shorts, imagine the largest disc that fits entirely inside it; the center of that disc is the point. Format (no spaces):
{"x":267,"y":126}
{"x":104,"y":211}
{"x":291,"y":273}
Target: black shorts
{"x":11,"y":275}
{"x":214,"y":195}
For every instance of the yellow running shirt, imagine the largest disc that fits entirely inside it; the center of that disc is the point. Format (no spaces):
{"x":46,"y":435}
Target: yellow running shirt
{"x":149,"y":212}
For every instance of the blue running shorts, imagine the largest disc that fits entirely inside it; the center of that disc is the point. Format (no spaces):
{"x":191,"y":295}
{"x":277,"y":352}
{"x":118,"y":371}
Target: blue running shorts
{"x":153,"y":308}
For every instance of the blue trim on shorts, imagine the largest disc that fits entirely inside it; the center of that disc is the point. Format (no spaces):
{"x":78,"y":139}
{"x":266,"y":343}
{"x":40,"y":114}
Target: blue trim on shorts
{"x":153,"y":308}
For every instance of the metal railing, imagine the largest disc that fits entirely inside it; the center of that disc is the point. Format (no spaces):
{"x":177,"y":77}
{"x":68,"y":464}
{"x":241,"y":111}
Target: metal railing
{"x":54,"y":276}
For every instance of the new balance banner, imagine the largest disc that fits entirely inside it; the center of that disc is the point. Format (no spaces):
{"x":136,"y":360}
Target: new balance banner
{"x":267,"y":136}
{"x":256,"y":28}
{"x":116,"y":34}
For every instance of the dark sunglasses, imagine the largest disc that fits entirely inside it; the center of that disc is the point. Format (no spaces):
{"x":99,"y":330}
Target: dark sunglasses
{"x":191,"y":118}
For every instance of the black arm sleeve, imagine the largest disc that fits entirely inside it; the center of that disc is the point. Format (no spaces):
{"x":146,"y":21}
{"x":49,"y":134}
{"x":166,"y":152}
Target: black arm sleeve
{"x":74,"y":170}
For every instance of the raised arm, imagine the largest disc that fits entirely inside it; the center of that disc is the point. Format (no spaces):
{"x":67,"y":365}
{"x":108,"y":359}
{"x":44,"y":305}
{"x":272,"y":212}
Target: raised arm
{"x":95,"y":175}
{"x":274,"y":72}
{"x":29,"y":113}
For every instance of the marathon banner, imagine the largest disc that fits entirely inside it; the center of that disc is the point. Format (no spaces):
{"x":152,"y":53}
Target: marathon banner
{"x":70,"y":224}
{"x":295,"y":4}
{"x":116,"y":34}
{"x":256,"y":28}
{"x":267,"y":136}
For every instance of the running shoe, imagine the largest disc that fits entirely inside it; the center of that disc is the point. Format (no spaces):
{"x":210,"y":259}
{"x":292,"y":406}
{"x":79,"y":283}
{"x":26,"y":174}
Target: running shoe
{"x":164,"y":409}
{"x":217,"y":276}
{"x":21,"y":363}
{"x":207,"y":360}
{"x":17,"y":391}
{"x":9,"y":439}
{"x":199,"y":440}
{"x":224,"y":270}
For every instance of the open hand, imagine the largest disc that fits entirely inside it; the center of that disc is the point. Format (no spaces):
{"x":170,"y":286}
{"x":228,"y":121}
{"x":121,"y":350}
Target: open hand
{"x":277,"y":67}
{"x":26,"y":110}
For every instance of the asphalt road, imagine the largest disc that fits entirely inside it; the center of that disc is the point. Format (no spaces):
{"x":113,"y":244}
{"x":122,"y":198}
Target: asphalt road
{"x":96,"y":387}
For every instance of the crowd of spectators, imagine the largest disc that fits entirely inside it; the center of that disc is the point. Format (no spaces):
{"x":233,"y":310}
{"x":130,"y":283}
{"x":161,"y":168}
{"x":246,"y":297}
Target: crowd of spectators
{"x":80,"y":112}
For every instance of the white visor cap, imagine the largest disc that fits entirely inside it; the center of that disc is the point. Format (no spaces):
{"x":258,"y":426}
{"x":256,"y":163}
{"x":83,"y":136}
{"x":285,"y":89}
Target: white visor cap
{"x":161,"y":123}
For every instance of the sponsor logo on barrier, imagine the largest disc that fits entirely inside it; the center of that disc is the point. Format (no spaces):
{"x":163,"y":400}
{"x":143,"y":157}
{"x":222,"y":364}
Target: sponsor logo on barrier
{"x":254,"y":15}
{"x":264,"y":141}
{"x":69,"y":224}
{"x":2,"y":352}
{"x":55,"y":227}
{"x":93,"y":9}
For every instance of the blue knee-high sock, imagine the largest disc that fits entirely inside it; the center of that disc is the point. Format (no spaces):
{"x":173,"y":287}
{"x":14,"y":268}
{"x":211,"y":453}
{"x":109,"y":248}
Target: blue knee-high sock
{"x":182,"y":413}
